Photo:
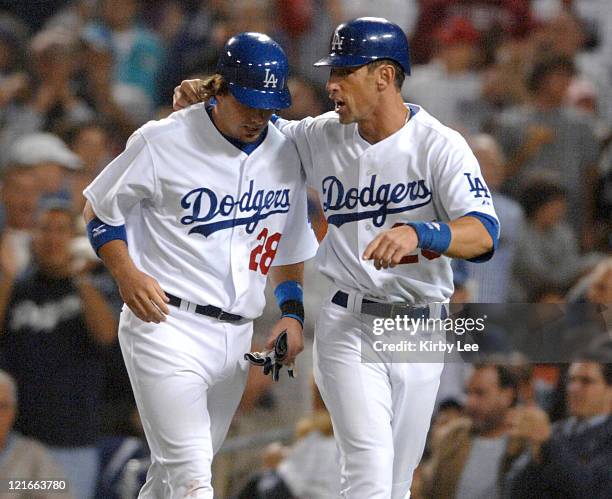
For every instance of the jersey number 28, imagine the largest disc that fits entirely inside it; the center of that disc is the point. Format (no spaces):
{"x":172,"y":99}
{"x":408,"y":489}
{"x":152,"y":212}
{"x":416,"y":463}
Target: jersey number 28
{"x":263,"y":254}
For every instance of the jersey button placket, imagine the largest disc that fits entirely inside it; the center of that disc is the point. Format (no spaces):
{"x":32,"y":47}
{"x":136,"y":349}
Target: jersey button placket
{"x":365,"y":232}
{"x":240,"y":249}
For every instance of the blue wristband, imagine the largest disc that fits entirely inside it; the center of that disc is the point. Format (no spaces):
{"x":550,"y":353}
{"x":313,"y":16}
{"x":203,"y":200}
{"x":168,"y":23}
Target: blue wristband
{"x":290,"y":298}
{"x":433,"y":236}
{"x":288,"y":290}
{"x":100,"y":233}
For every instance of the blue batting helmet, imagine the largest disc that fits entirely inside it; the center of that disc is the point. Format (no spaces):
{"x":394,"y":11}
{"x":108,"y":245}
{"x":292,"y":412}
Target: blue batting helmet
{"x":255,"y":68}
{"x":367,"y":39}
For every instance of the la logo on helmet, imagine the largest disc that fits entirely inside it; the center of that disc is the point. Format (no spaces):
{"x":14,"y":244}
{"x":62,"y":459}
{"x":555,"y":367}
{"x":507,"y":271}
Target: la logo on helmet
{"x":336,"y":42}
{"x":270,"y":79}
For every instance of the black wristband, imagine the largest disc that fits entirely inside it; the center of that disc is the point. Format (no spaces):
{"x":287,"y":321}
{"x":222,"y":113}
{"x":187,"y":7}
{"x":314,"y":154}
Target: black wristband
{"x":293,"y":309}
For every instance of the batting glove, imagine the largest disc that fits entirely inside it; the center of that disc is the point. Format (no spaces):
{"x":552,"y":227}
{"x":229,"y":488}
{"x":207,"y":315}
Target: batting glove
{"x":271,"y":360}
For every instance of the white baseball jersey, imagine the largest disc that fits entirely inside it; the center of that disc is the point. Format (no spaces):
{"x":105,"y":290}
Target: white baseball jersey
{"x":424,"y":172}
{"x":212,"y":219}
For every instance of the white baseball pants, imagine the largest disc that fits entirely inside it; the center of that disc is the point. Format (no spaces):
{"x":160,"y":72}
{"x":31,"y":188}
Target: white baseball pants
{"x":188,"y":375}
{"x":380,"y":411}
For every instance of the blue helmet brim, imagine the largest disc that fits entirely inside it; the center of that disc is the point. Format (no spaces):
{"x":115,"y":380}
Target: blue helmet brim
{"x":350,"y":61}
{"x":343,"y":60}
{"x":261,"y":99}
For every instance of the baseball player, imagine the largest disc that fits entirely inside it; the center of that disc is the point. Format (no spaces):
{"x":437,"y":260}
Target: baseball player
{"x":402,"y":194}
{"x":190,"y":219}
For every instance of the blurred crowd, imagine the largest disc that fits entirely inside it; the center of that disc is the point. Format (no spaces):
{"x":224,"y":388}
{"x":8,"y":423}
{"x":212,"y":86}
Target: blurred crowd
{"x":529,"y":85}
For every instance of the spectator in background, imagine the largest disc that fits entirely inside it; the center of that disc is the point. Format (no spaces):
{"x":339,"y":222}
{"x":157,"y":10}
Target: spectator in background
{"x":492,"y":279}
{"x":595,"y":287}
{"x":603,"y":203}
{"x":449,"y":410}
{"x":19,"y":195}
{"x":52,"y":163}
{"x":600,"y":288}
{"x":492,"y":18}
{"x":191,"y":41}
{"x":73,"y":16}
{"x":248,"y":15}
{"x":571,"y":459}
{"x":92,"y":143}
{"x":547,"y":250}
{"x":55,"y":326}
{"x":472,"y":454}
{"x":583,"y":98}
{"x":33,"y":14}
{"x":547,"y":136}
{"x":22,"y":458}
{"x":596,"y":18}
{"x":554,"y":330}
{"x":11,"y":46}
{"x":55,"y":55}
{"x":403,"y":12}
{"x":310,"y":468}
{"x":137,"y":55}
{"x":47,"y":97}
{"x":503,"y":85}
{"x":99,"y":87}
{"x":532,"y":390}
{"x":564,"y":34}
{"x":442,"y":85}
{"x":12,"y":79}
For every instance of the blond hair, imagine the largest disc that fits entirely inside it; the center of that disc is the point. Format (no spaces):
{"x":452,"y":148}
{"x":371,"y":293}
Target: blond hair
{"x":212,"y":86}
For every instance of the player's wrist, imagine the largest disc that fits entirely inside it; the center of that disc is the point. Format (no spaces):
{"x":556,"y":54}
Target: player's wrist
{"x":296,"y":317}
{"x":433,"y":236}
{"x":290,"y":299}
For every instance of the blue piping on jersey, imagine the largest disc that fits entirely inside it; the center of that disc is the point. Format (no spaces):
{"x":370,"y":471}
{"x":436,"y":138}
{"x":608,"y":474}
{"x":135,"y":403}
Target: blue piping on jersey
{"x":413,"y":109}
{"x":492,"y":226}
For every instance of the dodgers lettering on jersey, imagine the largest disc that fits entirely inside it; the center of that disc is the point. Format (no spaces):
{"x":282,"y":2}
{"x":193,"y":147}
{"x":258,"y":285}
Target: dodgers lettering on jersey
{"x":202,"y":217}
{"x":376,"y":199}
{"x":423,"y":172}
{"x":205,"y":205}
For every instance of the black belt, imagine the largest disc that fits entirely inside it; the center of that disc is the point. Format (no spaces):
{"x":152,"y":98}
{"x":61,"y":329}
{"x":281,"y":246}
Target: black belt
{"x":209,"y":310}
{"x":386,"y":309}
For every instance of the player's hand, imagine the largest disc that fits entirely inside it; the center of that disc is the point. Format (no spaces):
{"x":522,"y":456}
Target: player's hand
{"x":389,"y":247}
{"x":186,"y":94}
{"x":295,"y":338}
{"x":272,"y":360}
{"x":143,"y":295}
